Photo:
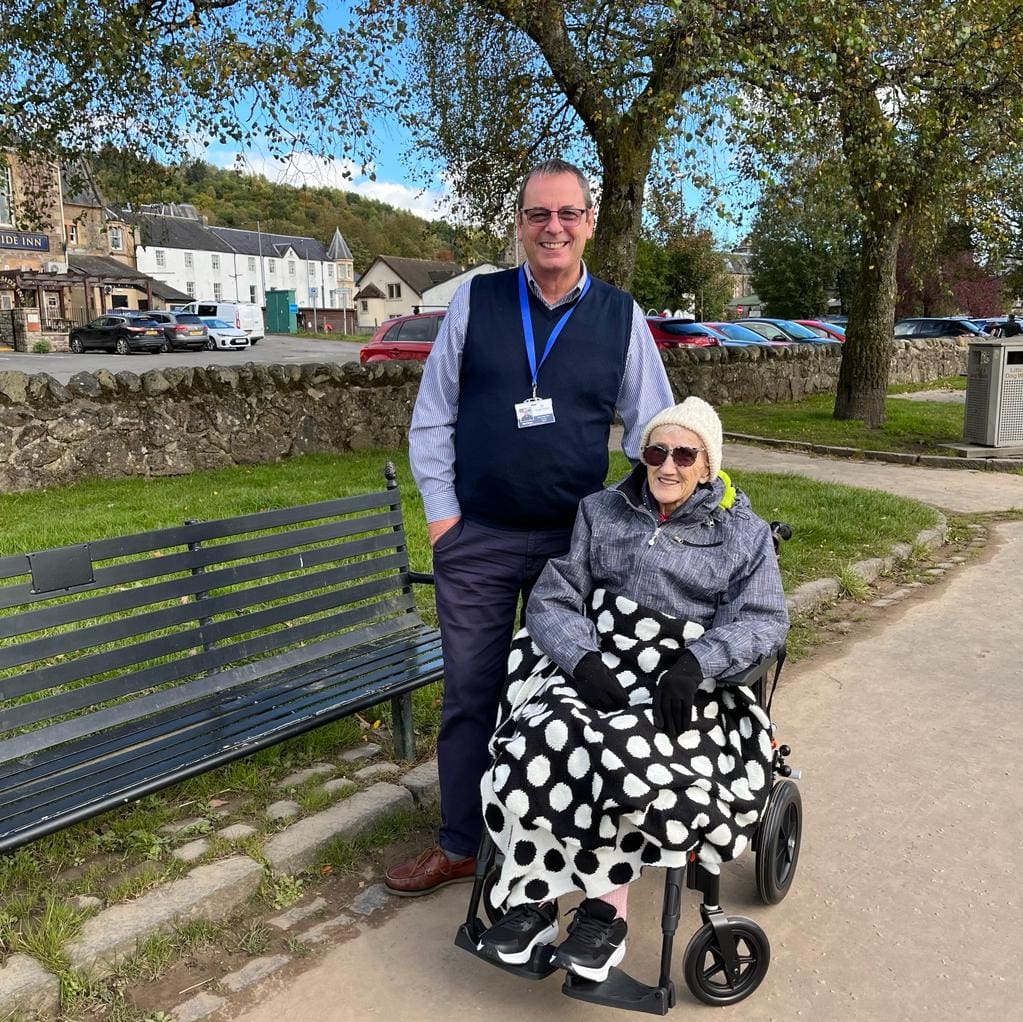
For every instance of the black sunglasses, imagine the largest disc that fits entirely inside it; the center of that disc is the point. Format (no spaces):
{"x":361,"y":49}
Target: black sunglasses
{"x":657,"y":454}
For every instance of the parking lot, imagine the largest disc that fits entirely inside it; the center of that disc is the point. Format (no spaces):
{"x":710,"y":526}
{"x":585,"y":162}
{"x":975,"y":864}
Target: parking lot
{"x":274,"y":348}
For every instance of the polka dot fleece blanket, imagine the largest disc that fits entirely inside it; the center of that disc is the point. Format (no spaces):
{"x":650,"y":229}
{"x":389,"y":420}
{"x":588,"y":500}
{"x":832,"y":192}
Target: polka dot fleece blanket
{"x":582,"y":800}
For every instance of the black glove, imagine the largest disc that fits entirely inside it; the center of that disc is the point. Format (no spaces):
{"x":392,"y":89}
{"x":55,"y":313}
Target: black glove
{"x":597,"y":686}
{"x":673,"y":697}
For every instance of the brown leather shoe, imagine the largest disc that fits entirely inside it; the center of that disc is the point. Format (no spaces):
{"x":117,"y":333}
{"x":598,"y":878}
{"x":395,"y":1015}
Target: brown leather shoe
{"x":429,"y":871}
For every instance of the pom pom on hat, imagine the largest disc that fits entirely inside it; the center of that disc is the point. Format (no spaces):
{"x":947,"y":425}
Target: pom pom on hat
{"x":695,"y":414}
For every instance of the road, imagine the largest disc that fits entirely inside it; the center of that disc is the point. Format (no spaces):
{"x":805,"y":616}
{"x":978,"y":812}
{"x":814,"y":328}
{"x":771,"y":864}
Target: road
{"x":903,"y":906}
{"x":274,"y":348}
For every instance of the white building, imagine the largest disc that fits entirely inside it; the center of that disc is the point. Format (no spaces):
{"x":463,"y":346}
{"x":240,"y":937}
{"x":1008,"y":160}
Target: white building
{"x":439,"y":296}
{"x":175,"y":245}
{"x":394,"y":286}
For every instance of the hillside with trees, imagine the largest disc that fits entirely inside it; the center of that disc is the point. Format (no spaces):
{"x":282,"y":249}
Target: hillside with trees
{"x":233,"y":199}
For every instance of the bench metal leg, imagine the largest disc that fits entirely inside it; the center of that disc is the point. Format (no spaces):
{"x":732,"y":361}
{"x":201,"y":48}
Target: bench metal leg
{"x":401,"y":727}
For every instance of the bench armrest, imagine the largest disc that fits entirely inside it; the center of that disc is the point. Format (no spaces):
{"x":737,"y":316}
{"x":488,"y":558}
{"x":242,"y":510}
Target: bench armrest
{"x":425,"y":577}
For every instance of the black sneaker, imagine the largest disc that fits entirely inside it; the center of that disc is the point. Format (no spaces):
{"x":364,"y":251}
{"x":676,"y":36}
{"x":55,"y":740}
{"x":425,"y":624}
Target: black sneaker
{"x":521,"y":929}
{"x":595,"y":941}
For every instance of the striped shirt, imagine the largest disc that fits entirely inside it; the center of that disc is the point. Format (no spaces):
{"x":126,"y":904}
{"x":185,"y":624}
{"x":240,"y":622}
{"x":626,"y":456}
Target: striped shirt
{"x":644,"y":392}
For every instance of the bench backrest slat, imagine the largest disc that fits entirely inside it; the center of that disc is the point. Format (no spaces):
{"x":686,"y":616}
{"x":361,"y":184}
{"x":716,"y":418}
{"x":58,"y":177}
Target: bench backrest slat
{"x":141,"y":624}
{"x":220,"y":528}
{"x":63,"y":675}
{"x":128,"y":572}
{"x":81,"y":608}
{"x":32,"y":742}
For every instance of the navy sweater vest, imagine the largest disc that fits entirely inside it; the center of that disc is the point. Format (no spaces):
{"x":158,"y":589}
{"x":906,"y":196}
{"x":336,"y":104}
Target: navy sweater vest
{"x":534,"y":478}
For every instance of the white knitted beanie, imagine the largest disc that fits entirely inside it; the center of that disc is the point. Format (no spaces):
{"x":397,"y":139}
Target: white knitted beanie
{"x":694,"y":413}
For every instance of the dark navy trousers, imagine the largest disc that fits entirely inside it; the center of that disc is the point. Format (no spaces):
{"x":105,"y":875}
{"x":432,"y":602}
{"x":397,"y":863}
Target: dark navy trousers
{"x":480,"y":574}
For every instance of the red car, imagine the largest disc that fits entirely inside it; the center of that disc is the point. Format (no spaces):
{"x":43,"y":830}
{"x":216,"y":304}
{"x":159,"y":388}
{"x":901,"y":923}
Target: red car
{"x":682,"y":333}
{"x":832,"y":331}
{"x":407,"y":338}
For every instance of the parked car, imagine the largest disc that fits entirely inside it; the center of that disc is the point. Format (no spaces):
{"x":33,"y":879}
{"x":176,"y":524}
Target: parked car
{"x":245,"y":316}
{"x":180,"y":329}
{"x":224,"y":336}
{"x":829,"y":331}
{"x":937,"y":326}
{"x":783,"y":330}
{"x":682,"y":333}
{"x":118,"y":332}
{"x":408,"y":338}
{"x":842,"y":321}
{"x":738,"y":336}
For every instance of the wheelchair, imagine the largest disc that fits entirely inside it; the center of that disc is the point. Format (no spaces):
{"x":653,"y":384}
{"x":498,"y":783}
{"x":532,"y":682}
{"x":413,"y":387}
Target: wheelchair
{"x":728,"y":956}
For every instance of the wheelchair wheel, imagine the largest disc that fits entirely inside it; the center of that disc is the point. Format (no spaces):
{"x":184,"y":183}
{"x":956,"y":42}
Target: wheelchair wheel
{"x":778,"y":842}
{"x":705,"y":971}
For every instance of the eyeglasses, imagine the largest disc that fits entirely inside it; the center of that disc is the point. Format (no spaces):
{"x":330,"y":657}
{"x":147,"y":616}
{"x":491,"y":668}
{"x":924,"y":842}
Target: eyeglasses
{"x":657,"y":454}
{"x":568,"y":215}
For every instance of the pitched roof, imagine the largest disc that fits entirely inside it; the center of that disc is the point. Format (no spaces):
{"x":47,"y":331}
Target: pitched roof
{"x":420,"y":274}
{"x":338,"y":247}
{"x":112,"y":269}
{"x":737,"y":263}
{"x":370,"y":291}
{"x":76,"y":188}
{"x":160,"y":231}
{"x":254,"y":242}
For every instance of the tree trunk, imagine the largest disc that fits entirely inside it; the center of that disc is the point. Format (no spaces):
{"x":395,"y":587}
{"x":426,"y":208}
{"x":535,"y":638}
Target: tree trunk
{"x":620,"y":211}
{"x":866,"y":354}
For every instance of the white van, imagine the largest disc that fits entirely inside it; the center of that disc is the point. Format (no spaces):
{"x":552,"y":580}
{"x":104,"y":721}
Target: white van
{"x":245,"y":316}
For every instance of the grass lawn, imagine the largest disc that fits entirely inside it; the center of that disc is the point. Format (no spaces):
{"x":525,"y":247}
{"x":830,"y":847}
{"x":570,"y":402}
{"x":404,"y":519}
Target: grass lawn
{"x":916,"y":427}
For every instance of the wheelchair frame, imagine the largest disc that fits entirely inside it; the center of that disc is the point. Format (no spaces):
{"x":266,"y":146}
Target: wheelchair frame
{"x":738,"y":949}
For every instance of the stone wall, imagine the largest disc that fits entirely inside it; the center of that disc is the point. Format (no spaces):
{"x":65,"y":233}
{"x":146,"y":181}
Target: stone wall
{"x":174,"y":421}
{"x":725,"y":376}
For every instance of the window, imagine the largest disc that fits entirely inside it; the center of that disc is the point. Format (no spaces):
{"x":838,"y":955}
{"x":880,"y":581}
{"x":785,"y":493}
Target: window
{"x":218,"y":290}
{"x":271,"y":266}
{"x":394,"y":290}
{"x":312,"y":270}
{"x":215,"y":261}
{"x":365,"y":306}
{"x":252,"y":264}
{"x":291,"y":267}
{"x":330,"y":270}
{"x":6,"y":196}
{"x":189,"y":260}
{"x":252,"y":293}
{"x":116,"y":239}
{"x":72,"y":234}
{"x":161,"y":258}
{"x":190,"y":288}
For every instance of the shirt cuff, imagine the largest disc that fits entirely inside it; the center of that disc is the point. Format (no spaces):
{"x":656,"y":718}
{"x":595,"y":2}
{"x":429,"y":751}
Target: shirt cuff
{"x":442,"y":504}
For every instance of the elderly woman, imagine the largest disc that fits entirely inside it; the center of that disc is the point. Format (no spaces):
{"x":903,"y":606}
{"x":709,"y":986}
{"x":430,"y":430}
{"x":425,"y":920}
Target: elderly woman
{"x":616,"y":748}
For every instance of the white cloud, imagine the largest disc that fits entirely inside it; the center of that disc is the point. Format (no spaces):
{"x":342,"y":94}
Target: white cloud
{"x":307,"y":169}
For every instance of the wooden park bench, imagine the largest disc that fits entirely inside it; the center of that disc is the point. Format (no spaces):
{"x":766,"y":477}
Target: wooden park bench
{"x":128,"y":664}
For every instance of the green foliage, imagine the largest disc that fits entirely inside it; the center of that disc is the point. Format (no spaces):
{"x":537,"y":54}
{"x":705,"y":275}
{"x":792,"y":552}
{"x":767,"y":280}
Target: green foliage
{"x":41,"y":348}
{"x":154,"y":78}
{"x":233,"y":199}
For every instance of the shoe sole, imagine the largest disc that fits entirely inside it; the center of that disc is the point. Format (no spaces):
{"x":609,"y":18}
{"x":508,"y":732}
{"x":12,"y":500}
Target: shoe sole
{"x":428,"y":890}
{"x":593,"y":975}
{"x":521,"y":957}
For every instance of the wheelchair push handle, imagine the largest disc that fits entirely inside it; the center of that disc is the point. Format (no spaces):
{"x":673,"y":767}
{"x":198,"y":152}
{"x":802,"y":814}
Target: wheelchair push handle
{"x":781,"y":531}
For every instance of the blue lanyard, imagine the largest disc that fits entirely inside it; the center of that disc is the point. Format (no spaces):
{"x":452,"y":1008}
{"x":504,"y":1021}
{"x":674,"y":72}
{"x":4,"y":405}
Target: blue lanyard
{"x":527,"y":325}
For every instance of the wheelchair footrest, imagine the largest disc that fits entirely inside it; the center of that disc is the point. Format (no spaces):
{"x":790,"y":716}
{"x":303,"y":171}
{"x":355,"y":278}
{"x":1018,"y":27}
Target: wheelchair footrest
{"x":620,"y":990}
{"x":539,"y":964}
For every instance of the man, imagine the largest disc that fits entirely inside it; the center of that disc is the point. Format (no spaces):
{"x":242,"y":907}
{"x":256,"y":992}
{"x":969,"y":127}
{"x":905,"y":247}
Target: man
{"x":1010,"y":328}
{"x":509,"y":433}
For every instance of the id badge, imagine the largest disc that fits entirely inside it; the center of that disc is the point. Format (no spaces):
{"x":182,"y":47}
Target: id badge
{"x":537,"y":411}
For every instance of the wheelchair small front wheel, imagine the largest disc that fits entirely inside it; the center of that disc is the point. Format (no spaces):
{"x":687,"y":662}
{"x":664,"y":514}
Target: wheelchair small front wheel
{"x":778,"y":842}
{"x":705,"y":972}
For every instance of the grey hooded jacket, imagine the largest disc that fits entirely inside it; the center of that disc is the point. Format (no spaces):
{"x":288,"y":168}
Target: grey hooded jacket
{"x":706,"y":564}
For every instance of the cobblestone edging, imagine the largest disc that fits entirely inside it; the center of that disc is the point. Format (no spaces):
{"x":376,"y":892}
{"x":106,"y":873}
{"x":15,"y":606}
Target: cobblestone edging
{"x":217,"y":890}
{"x":896,"y":457}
